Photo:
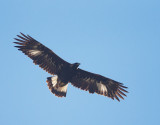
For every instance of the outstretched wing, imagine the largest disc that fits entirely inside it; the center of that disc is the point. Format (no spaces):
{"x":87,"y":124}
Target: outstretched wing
{"x":96,"y":83}
{"x":40,"y":54}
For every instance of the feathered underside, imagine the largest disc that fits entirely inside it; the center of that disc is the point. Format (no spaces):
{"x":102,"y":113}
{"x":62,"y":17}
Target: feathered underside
{"x":95,"y":83}
{"x":53,"y":64}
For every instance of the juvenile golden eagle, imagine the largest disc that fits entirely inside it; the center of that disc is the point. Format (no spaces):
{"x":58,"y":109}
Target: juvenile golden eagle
{"x":64,"y":72}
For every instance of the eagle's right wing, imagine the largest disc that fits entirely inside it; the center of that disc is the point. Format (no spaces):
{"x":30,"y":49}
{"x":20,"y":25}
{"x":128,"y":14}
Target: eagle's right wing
{"x":96,"y":83}
{"x":40,"y":54}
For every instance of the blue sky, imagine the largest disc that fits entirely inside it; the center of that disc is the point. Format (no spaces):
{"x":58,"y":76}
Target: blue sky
{"x":119,"y":39}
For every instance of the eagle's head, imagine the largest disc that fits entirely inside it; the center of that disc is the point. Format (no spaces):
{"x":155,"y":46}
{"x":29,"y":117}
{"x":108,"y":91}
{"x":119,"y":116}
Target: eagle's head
{"x":76,"y":65}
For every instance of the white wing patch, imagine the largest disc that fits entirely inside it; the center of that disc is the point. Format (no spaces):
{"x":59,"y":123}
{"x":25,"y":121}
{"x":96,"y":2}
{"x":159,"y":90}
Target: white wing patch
{"x":101,"y":88}
{"x":62,"y":89}
{"x":35,"y":52}
{"x":54,"y":80}
{"x":59,"y":89}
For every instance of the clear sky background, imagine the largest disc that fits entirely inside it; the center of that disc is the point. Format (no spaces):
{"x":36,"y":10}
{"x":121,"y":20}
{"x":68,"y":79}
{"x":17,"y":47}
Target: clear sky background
{"x":119,"y":39}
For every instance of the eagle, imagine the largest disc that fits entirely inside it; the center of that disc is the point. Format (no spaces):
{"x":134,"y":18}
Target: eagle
{"x":64,"y":72}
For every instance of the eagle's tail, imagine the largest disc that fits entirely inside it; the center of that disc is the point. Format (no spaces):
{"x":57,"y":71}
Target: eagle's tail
{"x":53,"y":85}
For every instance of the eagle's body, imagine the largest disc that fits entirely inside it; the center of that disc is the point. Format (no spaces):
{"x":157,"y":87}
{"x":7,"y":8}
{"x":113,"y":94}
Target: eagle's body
{"x":63,"y":72}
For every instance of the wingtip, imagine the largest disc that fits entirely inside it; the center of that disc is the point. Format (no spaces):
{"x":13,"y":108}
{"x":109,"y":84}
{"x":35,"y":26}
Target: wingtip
{"x":19,"y":43}
{"x":15,"y":38}
{"x":21,"y":33}
{"x":117,"y":99}
{"x":17,"y":46}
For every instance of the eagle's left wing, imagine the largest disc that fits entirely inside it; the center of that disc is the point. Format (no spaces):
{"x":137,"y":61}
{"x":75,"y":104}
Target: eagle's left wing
{"x":40,"y":54}
{"x":96,"y":83}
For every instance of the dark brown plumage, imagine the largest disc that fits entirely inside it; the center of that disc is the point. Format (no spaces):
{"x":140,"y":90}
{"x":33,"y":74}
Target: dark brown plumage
{"x":64,"y":72}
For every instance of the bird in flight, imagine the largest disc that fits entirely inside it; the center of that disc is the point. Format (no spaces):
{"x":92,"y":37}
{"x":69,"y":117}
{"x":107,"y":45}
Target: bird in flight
{"x":63,"y":72}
